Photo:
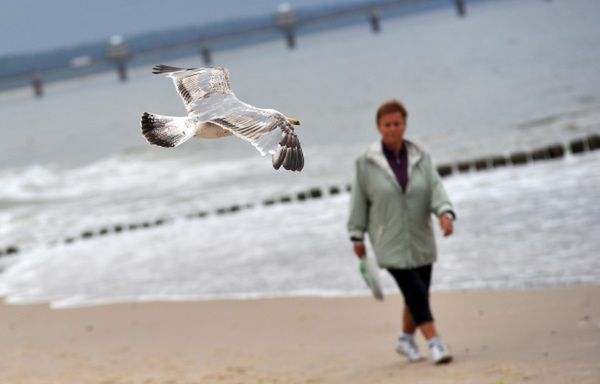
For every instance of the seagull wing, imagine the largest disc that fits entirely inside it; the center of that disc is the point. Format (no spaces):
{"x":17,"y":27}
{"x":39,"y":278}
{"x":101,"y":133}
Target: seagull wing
{"x":197,"y":84}
{"x":268,"y":131}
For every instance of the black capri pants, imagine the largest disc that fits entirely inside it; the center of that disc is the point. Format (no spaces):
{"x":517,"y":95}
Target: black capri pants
{"x":414,"y":285}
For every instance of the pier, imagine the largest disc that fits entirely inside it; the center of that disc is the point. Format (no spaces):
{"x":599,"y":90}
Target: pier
{"x":286,"y":21}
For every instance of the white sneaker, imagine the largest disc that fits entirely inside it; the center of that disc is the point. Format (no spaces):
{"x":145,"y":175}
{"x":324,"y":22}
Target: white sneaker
{"x":408,"y":348}
{"x":440,"y":354}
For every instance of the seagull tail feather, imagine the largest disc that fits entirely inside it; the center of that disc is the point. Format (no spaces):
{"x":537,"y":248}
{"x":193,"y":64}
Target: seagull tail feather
{"x":165,"y":131}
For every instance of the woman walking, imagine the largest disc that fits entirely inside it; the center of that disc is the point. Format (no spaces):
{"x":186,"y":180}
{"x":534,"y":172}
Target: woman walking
{"x":396,"y":190}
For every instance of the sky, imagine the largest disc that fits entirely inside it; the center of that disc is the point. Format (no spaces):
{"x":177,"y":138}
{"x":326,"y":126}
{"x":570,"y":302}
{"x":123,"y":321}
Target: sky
{"x":38,"y":25}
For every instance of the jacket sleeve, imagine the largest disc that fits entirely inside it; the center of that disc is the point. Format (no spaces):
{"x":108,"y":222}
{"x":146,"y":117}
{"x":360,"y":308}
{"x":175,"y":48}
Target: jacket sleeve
{"x":359,"y":206}
{"x":440,"y":203}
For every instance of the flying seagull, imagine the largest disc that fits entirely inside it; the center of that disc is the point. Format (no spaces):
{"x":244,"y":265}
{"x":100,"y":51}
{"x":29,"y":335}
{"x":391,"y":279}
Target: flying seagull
{"x":213,"y":111}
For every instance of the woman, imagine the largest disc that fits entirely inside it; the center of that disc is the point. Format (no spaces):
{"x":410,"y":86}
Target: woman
{"x":395,"y":191}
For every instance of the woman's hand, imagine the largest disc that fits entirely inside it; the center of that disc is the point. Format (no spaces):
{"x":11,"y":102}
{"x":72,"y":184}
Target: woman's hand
{"x":360,"y":250}
{"x":446,"y":225}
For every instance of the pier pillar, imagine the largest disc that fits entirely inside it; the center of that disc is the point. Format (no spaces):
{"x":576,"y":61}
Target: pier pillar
{"x":118,"y":52}
{"x":375,"y":20}
{"x":290,"y":38}
{"x":461,"y":7}
{"x":286,"y":19}
{"x":38,"y":85}
{"x":121,"y":71}
{"x":206,"y":55}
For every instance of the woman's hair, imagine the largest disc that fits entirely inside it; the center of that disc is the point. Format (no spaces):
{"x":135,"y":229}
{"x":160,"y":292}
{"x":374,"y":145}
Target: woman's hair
{"x":391,"y":106}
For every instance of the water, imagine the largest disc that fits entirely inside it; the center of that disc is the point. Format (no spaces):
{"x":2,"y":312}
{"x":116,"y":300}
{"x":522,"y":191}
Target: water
{"x":512,"y":75}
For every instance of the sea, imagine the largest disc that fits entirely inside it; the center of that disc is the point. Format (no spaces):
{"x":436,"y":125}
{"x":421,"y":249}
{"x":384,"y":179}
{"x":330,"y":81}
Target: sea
{"x":99,"y":216}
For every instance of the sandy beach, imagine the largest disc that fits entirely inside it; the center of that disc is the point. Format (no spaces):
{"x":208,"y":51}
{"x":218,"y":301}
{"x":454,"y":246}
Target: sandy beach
{"x":547,"y":335}
{"x":123,"y":262}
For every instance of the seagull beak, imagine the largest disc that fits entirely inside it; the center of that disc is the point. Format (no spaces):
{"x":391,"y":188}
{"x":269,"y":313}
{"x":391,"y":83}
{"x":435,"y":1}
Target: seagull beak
{"x":293,"y":121}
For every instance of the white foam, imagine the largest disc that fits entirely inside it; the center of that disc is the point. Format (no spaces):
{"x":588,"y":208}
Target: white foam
{"x":538,"y":216}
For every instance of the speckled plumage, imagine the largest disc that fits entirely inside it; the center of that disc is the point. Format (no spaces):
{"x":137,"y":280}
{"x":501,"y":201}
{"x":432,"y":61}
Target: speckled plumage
{"x":214,"y":112}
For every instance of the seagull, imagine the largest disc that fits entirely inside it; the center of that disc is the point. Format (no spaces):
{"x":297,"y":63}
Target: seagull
{"x":213,"y":111}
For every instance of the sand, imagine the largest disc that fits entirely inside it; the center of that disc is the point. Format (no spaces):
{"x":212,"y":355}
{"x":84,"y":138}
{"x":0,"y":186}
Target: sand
{"x":524,"y":336}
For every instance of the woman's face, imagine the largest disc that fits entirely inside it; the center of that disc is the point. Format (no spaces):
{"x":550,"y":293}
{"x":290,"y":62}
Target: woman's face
{"x":392,"y":127}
